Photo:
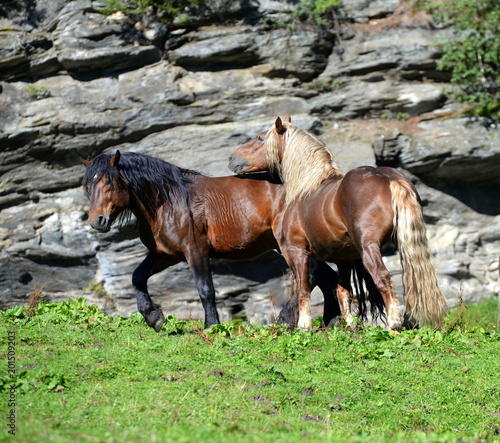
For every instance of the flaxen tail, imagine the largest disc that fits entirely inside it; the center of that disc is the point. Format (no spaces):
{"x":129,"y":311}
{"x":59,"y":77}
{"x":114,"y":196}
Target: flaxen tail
{"x":425,"y":304}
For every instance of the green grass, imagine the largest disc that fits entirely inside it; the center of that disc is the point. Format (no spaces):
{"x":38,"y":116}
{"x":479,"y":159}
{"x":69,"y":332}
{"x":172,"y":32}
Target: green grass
{"x":485,"y":314}
{"x":84,"y":376}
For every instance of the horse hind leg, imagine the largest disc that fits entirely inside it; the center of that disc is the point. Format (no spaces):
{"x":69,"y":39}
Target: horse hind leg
{"x":344,"y":292}
{"x":366,"y":290}
{"x":373,"y":263}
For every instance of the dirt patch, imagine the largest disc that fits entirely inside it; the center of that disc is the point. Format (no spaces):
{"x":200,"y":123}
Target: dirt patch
{"x":403,"y":17}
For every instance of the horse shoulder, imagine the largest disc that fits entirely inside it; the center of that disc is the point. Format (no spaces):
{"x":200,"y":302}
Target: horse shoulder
{"x":175,"y":232}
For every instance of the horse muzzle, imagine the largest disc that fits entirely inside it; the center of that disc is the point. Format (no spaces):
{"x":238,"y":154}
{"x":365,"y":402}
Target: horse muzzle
{"x":101,"y":223}
{"x":237,"y":164}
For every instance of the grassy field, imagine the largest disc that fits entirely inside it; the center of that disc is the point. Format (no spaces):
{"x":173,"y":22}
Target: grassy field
{"x":80,"y":375}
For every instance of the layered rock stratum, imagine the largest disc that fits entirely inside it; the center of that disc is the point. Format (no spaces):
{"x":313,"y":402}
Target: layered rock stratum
{"x":75,"y":83}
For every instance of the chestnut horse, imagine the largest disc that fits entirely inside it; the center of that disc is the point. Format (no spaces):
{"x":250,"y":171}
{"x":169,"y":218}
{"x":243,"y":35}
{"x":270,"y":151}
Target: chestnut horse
{"x":336,"y":217}
{"x":183,"y":215}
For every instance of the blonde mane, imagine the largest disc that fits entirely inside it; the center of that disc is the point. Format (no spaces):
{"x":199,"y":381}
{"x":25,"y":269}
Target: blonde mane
{"x":306,"y":162}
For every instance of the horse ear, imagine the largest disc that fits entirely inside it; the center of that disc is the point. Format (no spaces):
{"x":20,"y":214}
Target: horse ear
{"x":113,"y":161}
{"x":288,"y":118}
{"x":278,"y":125}
{"x":86,"y":163}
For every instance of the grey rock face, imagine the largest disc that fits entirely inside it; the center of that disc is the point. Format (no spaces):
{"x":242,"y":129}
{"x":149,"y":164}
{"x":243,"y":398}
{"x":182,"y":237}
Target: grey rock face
{"x":364,"y":10}
{"x":75,"y":83}
{"x":303,"y":55}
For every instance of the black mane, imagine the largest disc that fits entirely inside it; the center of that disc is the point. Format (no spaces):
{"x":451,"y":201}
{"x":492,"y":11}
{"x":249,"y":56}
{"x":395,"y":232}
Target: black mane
{"x":153,"y":181}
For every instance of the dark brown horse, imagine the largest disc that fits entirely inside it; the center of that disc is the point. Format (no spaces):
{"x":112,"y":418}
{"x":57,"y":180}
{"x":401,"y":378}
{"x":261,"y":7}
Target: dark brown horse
{"x":336,"y":217}
{"x":183,"y":215}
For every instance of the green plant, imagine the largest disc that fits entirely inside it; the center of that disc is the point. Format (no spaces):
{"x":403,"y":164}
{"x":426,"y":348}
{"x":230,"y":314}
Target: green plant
{"x":37,"y":91}
{"x":322,"y":85}
{"x":34,"y":298}
{"x":482,"y":316}
{"x":391,"y":115}
{"x":74,"y":311}
{"x":402,"y":116}
{"x":98,"y":289}
{"x":473,"y":56}
{"x":320,"y":11}
{"x":170,"y":8}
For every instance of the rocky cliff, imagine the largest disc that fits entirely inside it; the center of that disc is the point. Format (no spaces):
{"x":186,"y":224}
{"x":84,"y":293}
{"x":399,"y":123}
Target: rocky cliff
{"x":75,"y":83}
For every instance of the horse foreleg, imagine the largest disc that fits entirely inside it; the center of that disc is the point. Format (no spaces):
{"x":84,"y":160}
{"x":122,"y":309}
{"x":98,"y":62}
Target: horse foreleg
{"x":200,"y":267}
{"x":373,"y":263}
{"x":323,"y":276}
{"x":298,"y":261}
{"x":151,"y":312}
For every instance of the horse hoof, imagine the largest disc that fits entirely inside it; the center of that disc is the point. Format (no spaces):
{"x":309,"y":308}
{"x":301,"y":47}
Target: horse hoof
{"x":410,"y":323}
{"x":155,"y":320}
{"x":335,"y":321}
{"x":286,"y":321}
{"x":396,"y":327}
{"x":305,"y":324}
{"x":208,"y":324}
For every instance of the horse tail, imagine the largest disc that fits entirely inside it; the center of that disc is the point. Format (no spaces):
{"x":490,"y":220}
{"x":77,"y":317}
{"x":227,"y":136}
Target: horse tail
{"x":425,"y":303}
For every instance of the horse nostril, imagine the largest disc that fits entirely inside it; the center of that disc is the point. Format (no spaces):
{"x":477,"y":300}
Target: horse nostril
{"x":101,"y":223}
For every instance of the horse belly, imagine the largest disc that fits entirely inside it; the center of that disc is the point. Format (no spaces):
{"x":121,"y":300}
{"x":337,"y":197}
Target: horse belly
{"x":239,"y":216}
{"x":238,"y":245}
{"x":334,"y":249}
{"x":238,"y":235}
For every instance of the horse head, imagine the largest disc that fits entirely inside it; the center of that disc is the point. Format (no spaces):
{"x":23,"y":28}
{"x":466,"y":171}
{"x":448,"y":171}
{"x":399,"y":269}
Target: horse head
{"x":106,"y":190}
{"x":301,"y":160}
{"x":255,"y":155}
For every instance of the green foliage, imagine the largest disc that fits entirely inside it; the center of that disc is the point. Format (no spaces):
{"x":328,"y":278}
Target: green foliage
{"x":75,"y":311}
{"x":98,"y":289}
{"x":321,"y":85}
{"x":37,"y":92}
{"x":171,"y":8}
{"x":473,"y":57}
{"x":320,"y":11}
{"x":402,"y":116}
{"x":228,"y":329}
{"x":482,"y":316}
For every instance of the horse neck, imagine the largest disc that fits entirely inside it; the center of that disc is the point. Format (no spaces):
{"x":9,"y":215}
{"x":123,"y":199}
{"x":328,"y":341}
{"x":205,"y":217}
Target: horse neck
{"x":278,"y":199}
{"x":178,"y":206}
{"x":306,"y":164}
{"x":139,"y":210}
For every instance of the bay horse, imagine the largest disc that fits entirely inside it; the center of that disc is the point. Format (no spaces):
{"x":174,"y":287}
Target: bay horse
{"x":183,"y":215}
{"x":329,"y":215}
